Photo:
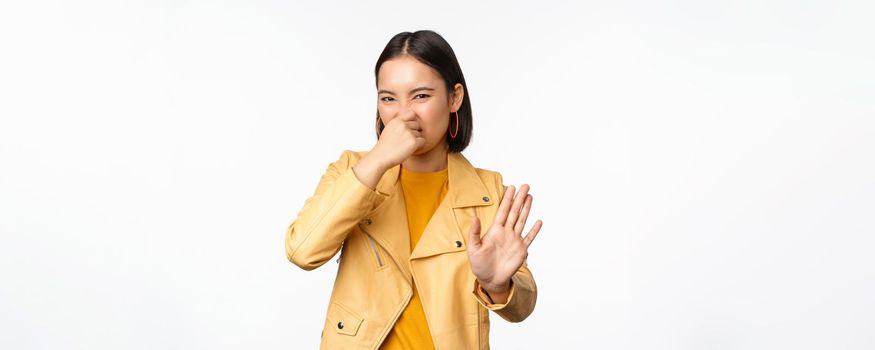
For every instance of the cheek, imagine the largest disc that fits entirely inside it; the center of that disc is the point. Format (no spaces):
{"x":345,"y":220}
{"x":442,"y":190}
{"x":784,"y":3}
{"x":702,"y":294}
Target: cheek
{"x":434,"y":118}
{"x":386,"y":113}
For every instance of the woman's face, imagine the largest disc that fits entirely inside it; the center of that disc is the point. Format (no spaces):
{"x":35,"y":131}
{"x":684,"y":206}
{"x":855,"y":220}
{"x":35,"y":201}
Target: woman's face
{"x":405,"y":83}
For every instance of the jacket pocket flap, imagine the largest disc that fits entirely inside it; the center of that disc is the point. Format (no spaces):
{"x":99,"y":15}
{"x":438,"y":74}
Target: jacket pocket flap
{"x":343,"y":320}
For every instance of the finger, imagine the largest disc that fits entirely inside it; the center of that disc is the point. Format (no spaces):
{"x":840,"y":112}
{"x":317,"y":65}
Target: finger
{"x":524,"y":215}
{"x":504,"y":206}
{"x":474,"y":234}
{"x":533,"y":233}
{"x":518,"y":202}
{"x":420,"y":141}
{"x":412,"y":124}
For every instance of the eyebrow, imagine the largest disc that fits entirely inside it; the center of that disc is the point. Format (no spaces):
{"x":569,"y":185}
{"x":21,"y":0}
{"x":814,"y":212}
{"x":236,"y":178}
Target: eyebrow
{"x":421,"y":88}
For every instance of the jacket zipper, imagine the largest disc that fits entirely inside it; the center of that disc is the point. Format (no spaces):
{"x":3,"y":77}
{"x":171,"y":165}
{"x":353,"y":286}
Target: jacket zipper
{"x":424,"y":311}
{"x":376,"y":251}
{"x":386,"y":330}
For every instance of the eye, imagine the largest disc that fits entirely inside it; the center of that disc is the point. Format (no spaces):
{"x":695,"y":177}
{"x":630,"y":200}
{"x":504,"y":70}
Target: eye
{"x":424,"y":95}
{"x":384,"y":99}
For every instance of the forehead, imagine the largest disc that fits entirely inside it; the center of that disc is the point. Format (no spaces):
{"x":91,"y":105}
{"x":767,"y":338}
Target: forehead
{"x":406,"y":71}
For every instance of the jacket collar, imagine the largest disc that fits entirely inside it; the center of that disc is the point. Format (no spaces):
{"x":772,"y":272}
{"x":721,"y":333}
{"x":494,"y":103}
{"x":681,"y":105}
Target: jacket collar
{"x":465,"y":188}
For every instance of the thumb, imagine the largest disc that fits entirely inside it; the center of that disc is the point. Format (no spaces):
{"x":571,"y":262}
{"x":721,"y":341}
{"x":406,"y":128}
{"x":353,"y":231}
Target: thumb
{"x":474,"y":234}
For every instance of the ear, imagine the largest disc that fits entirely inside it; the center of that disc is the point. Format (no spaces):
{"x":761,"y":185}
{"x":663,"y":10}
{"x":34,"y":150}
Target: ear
{"x":458,"y":96}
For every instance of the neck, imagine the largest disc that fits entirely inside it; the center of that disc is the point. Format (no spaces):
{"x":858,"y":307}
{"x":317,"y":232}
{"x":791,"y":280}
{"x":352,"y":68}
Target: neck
{"x":432,"y":160}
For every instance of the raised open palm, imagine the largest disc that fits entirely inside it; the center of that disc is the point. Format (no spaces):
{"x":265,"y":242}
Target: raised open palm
{"x":501,"y":251}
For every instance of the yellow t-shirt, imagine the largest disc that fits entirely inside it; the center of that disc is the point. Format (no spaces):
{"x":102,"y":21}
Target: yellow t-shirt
{"x":423,"y":192}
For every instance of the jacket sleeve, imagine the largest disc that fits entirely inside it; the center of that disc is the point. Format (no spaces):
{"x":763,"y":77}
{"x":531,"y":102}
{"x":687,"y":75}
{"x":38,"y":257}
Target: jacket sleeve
{"x":340,"y":201}
{"x":523,"y":290}
{"x":521,"y":300}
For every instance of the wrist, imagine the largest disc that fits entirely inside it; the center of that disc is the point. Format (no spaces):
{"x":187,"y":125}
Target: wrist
{"x":369,"y":171}
{"x":496,"y":288}
{"x":497,"y":295}
{"x":376,"y":162}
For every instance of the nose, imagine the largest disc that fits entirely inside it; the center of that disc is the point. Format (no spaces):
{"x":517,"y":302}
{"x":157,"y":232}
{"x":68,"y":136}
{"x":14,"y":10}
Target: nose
{"x":405,"y":110}
{"x":406,"y":107}
{"x":400,"y":109}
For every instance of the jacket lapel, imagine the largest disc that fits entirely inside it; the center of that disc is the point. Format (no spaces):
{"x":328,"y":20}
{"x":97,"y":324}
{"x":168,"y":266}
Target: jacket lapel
{"x":387,"y":223}
{"x":444,"y":232}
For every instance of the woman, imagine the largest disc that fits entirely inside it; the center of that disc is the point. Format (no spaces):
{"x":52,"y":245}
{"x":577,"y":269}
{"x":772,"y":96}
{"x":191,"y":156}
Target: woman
{"x":416,"y":272}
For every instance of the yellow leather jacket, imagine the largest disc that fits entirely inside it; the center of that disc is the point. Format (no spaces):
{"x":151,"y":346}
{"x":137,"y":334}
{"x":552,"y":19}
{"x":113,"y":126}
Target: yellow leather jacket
{"x":373,"y":283}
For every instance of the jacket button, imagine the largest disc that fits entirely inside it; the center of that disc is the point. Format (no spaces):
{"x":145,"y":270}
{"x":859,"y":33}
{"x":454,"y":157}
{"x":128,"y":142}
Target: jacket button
{"x":458,"y":244}
{"x":486,"y":199}
{"x":340,"y":325}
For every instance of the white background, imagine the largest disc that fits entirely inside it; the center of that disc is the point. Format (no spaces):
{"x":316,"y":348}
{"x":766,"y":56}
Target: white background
{"x":704,"y":169}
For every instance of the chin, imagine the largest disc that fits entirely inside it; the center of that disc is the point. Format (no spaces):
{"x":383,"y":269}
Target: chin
{"x":422,"y":150}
